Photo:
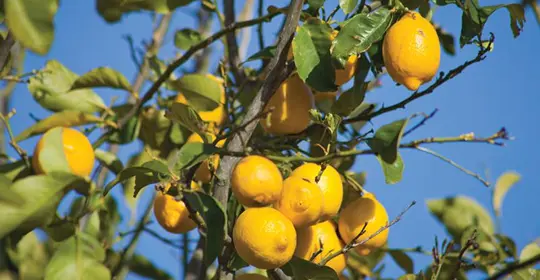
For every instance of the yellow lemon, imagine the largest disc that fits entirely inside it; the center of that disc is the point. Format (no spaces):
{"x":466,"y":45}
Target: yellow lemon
{"x":77,"y":149}
{"x":256,"y":181}
{"x":173,"y":215}
{"x":411,"y":51}
{"x":366,"y":209}
{"x":264,"y":237}
{"x":204,"y":172}
{"x":330,"y":184}
{"x":309,"y":242}
{"x":300,"y":201}
{"x":291,"y":104}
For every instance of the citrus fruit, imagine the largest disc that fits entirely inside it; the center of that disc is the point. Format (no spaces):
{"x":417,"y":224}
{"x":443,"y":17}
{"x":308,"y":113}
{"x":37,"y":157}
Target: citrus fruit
{"x":366,"y":209}
{"x":344,"y":75}
{"x":300,"y":201}
{"x":217,"y":116}
{"x":291,"y":104}
{"x":256,"y":181}
{"x":204,"y":172}
{"x":309,"y":242}
{"x":77,"y":149}
{"x":250,"y":276}
{"x":411,"y":51}
{"x":264,"y":237}
{"x":173,"y":215}
{"x":330,"y":184}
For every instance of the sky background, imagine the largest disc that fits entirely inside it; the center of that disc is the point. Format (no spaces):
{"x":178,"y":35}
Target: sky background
{"x":501,"y":91}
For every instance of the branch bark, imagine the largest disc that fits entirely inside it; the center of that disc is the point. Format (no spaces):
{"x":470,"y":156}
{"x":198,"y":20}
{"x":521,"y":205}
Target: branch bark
{"x":232,"y":44}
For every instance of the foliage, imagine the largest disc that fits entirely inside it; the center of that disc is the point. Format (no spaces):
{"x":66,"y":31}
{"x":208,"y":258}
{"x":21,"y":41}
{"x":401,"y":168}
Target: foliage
{"x":80,"y":243}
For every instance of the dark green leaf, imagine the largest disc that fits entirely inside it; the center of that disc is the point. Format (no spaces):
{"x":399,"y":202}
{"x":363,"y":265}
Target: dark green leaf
{"x":78,"y":257}
{"x":190,"y":154}
{"x":237,"y":262}
{"x":201,"y":91}
{"x":214,"y":217}
{"x":353,"y":98}
{"x":179,"y":134}
{"x":41,"y":194}
{"x":60,"y":230}
{"x":365,"y":264}
{"x":306,"y":270}
{"x":130,"y":131}
{"x":143,"y":267}
{"x":112,"y":11}
{"x":507,"y":244}
{"x":460,"y":212}
{"x":311,"y":49}
{"x":447,"y":41}
{"x":444,"y":2}
{"x":131,"y":172}
{"x":266,"y":53}
{"x":186,"y":38}
{"x":102,"y":77}
{"x":348,"y":5}
{"x":503,"y":185}
{"x":403,"y":260}
{"x":15,"y":170}
{"x":186,"y":116}
{"x":157,"y":166}
{"x":109,"y":160}
{"x":64,"y":119}
{"x":109,"y":218}
{"x":32,"y":22}
{"x":387,"y":139}
{"x":393,"y":172}
{"x":360,"y":32}
{"x":315,"y":5}
{"x":51,"y":89}
{"x":155,"y":128}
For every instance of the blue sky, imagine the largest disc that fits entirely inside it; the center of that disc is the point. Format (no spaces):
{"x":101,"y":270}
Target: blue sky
{"x":501,"y":91}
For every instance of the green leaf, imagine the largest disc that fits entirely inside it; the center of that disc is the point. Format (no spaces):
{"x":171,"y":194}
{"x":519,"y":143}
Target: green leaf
{"x":155,"y":128}
{"x":447,"y":41}
{"x":32,"y":22}
{"x":507,"y":244}
{"x":15,"y":170}
{"x":64,"y":119}
{"x":59,"y":229}
{"x":30,"y":257}
{"x":306,"y":270}
{"x":157,"y":166}
{"x":191,"y":154}
{"x":460,"y":212}
{"x":109,"y":160}
{"x":315,"y":4}
{"x":311,"y":49}
{"x":143,"y":267}
{"x":443,"y":2}
{"x":41,"y":194}
{"x":214,"y":217}
{"x":403,"y":260}
{"x":51,"y":89}
{"x":503,"y":185}
{"x":186,"y":38}
{"x":353,"y":98}
{"x":530,"y":251}
{"x":365,"y":264}
{"x":130,"y":131}
{"x":52,"y":157}
{"x":407,"y":277}
{"x":6,"y":194}
{"x":187,"y":117}
{"x":102,"y":77}
{"x":526,"y":274}
{"x":393,"y":172}
{"x":347,"y":5}
{"x":112,"y":11}
{"x":472,"y":23}
{"x":145,"y":175}
{"x":109,"y":218}
{"x":201,"y":91}
{"x":266,"y":53}
{"x":128,"y":186}
{"x":78,"y":257}
{"x":360,"y":32}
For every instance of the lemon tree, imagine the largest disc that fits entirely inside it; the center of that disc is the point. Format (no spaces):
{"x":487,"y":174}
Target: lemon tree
{"x":248,"y":154}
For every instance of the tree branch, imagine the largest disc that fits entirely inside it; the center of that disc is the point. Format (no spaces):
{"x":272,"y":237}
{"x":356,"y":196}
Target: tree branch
{"x":232,"y":44}
{"x":441,"y":80}
{"x":514,"y":267}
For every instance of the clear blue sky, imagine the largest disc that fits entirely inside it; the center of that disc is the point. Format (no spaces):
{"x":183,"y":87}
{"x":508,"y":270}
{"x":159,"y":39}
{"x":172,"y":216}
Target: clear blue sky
{"x":501,"y":91}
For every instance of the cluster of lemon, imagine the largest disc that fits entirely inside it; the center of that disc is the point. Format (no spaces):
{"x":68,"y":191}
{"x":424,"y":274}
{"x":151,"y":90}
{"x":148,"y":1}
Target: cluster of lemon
{"x":294,"y":216}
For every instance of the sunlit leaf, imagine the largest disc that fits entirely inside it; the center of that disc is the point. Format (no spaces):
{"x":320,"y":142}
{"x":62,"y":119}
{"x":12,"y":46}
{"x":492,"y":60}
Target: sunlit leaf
{"x":266,"y":53}
{"x":191,"y":154}
{"x":29,"y":256}
{"x":32,"y":22}
{"x":109,"y":160}
{"x":186,"y":38}
{"x":187,"y":117}
{"x":347,"y":5}
{"x":102,"y":77}
{"x":128,"y":132}
{"x":503,"y":185}
{"x":144,"y":174}
{"x":201,"y":91}
{"x":393,"y":172}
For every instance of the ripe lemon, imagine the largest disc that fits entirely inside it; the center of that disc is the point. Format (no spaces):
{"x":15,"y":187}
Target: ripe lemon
{"x":264,"y":237}
{"x":217,"y":116}
{"x":291,"y":102}
{"x":309,"y":242}
{"x":256,"y":181}
{"x":77,"y":148}
{"x":204,"y":172}
{"x":173,"y":215}
{"x":250,"y":276}
{"x":411,"y":51}
{"x":330,"y":184}
{"x":353,"y":217}
{"x":300,"y":201}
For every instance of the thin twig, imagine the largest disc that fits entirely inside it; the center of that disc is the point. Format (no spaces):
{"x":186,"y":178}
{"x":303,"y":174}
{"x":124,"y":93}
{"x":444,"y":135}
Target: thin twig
{"x":353,"y":242}
{"x":260,"y":33}
{"x":514,"y":267}
{"x":22,"y":153}
{"x":443,"y":78}
{"x":456,"y":165}
{"x":421,"y":123}
{"x":232,"y":44}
